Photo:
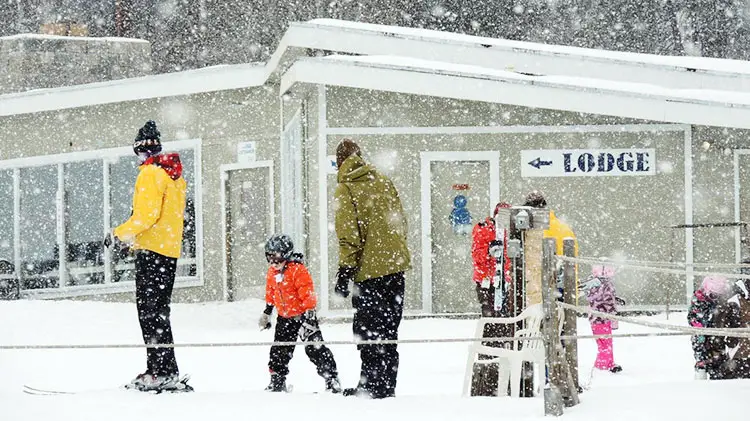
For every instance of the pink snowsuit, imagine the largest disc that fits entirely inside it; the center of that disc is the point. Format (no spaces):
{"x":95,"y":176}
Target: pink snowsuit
{"x":602,"y":298}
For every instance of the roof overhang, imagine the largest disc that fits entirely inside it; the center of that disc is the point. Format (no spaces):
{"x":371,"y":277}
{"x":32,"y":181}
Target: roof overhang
{"x":638,"y":101}
{"x":164,"y":85}
{"x":524,"y":57}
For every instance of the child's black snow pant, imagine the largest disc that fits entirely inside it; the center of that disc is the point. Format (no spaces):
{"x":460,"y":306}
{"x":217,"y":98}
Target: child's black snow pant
{"x":287,"y":330}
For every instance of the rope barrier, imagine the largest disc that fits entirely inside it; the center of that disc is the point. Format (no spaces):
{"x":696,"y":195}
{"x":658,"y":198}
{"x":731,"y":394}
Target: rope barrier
{"x":649,"y":268}
{"x":675,"y":264}
{"x":727,"y":332}
{"x":378,"y":342}
{"x":254,"y":344}
{"x":675,"y":331}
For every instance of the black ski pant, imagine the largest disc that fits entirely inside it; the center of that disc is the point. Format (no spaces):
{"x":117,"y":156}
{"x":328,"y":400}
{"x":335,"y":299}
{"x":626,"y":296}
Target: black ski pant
{"x":154,"y":280}
{"x":486,"y":298}
{"x":378,"y":308}
{"x":287,"y":330}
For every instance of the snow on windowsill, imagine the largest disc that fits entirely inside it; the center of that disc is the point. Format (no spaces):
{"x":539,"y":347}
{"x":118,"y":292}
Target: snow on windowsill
{"x":101,"y":289}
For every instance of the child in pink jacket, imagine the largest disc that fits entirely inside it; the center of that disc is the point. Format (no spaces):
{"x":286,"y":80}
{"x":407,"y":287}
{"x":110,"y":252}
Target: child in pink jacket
{"x":600,"y":293}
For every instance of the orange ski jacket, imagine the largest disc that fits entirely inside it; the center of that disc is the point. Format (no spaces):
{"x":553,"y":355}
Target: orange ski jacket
{"x":290,"y":290}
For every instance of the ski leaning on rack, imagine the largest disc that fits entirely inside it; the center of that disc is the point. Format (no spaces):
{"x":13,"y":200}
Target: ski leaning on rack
{"x":181,"y":387}
{"x":497,"y":251}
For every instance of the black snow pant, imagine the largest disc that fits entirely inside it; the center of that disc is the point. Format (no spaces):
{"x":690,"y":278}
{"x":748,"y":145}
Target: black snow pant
{"x":154,"y":280}
{"x":484,"y":378}
{"x":486,"y":298}
{"x":287,"y":330}
{"x":378,"y":307}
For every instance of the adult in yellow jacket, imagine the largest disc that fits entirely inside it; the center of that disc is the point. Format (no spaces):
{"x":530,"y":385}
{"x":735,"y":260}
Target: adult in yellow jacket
{"x":154,"y":233}
{"x":558,"y":229}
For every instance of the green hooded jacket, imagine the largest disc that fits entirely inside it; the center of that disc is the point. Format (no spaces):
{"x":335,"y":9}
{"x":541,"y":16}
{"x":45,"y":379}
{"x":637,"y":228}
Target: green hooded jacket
{"x":370,"y":222}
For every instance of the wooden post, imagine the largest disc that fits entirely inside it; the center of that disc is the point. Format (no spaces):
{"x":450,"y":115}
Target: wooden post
{"x":553,"y":401}
{"x":570,"y":328}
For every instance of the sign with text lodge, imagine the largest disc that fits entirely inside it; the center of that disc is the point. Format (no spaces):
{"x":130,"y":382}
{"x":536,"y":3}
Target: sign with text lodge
{"x":587,"y":162}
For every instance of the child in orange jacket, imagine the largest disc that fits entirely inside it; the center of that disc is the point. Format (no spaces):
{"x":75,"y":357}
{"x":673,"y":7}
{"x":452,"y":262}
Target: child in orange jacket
{"x":290,"y":289}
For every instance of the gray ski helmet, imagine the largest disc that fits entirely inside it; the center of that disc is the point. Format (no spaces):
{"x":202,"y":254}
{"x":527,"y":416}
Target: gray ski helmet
{"x":279,"y":246}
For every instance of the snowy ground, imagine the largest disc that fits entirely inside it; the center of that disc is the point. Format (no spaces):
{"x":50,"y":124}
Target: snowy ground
{"x":656,"y":384}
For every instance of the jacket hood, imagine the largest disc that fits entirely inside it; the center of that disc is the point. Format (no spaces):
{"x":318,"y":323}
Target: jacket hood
{"x":169,"y":162}
{"x":355,"y":169}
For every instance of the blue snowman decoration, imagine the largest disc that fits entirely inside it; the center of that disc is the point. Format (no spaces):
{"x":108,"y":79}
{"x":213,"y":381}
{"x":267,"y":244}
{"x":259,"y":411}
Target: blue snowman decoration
{"x":460,"y":216}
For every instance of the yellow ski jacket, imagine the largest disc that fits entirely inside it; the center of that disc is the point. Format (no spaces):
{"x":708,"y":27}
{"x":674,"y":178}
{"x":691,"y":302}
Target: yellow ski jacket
{"x":157,"y":221}
{"x":559,"y":231}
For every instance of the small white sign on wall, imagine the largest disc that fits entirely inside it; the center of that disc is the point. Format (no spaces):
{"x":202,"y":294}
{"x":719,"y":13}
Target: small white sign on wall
{"x":246,"y":151}
{"x":331,"y":164}
{"x":587,"y":162}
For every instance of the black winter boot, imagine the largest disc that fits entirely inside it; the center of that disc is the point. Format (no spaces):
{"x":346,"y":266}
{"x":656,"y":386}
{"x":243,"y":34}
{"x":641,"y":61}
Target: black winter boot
{"x":358,"y":391}
{"x":333,"y":385}
{"x":278,"y":383}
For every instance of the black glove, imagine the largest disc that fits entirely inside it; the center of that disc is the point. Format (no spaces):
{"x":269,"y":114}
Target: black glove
{"x":120,"y":249}
{"x":264,"y":322}
{"x":344,"y":275}
{"x":265,"y":318}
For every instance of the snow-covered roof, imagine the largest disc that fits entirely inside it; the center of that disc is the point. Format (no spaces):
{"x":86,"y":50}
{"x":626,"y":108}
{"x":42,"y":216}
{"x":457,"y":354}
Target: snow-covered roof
{"x":188,"y":82}
{"x":595,"y":96}
{"x":625,"y":79}
{"x":72,"y":38}
{"x":704,"y":64}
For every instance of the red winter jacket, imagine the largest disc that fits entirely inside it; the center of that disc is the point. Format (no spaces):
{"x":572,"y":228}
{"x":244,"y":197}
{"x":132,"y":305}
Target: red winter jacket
{"x":484,"y":264}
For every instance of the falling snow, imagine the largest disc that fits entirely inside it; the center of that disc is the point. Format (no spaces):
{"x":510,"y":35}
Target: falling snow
{"x":86,"y":74}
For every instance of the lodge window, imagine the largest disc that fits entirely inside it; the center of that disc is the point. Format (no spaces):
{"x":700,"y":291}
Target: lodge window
{"x":38,"y":223}
{"x":7,"y":271}
{"x":55,"y":211}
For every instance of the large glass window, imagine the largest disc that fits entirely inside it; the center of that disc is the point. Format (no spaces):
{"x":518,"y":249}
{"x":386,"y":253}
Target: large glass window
{"x":84,"y":222}
{"x":186,"y":266}
{"x":38,"y":223}
{"x":122,"y":175}
{"x":7,"y":266}
{"x":61,"y":211}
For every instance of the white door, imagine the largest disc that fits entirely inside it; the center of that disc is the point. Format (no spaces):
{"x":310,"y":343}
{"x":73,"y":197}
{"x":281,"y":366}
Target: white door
{"x":459,"y":188}
{"x":248,"y":220}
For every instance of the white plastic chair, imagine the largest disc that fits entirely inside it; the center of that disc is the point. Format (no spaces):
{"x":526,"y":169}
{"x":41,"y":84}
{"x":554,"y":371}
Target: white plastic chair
{"x":530,"y":348}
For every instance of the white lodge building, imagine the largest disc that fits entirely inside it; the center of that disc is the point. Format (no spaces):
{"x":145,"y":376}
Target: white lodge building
{"x":628,"y":149}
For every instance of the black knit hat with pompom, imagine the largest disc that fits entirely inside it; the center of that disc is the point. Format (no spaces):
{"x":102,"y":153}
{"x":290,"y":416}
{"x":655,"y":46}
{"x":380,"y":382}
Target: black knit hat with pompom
{"x":148,"y":140}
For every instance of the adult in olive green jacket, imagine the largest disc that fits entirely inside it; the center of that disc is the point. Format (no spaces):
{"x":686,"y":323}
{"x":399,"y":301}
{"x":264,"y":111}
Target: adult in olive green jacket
{"x":370,"y":222}
{"x":371,"y":229}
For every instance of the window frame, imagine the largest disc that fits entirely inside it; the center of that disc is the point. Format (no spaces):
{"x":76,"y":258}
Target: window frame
{"x":292,"y":175}
{"x":107,"y":156}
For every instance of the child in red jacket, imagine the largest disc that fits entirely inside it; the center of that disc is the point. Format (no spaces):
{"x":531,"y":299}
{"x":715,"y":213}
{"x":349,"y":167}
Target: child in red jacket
{"x":289,"y":289}
{"x":484,"y":263}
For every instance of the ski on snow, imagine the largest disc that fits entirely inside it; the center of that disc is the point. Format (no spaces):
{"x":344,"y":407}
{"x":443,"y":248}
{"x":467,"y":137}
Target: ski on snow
{"x":182,"y":387}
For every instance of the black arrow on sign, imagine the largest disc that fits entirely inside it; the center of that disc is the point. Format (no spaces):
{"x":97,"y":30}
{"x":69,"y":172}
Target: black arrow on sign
{"x":537,"y":163}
